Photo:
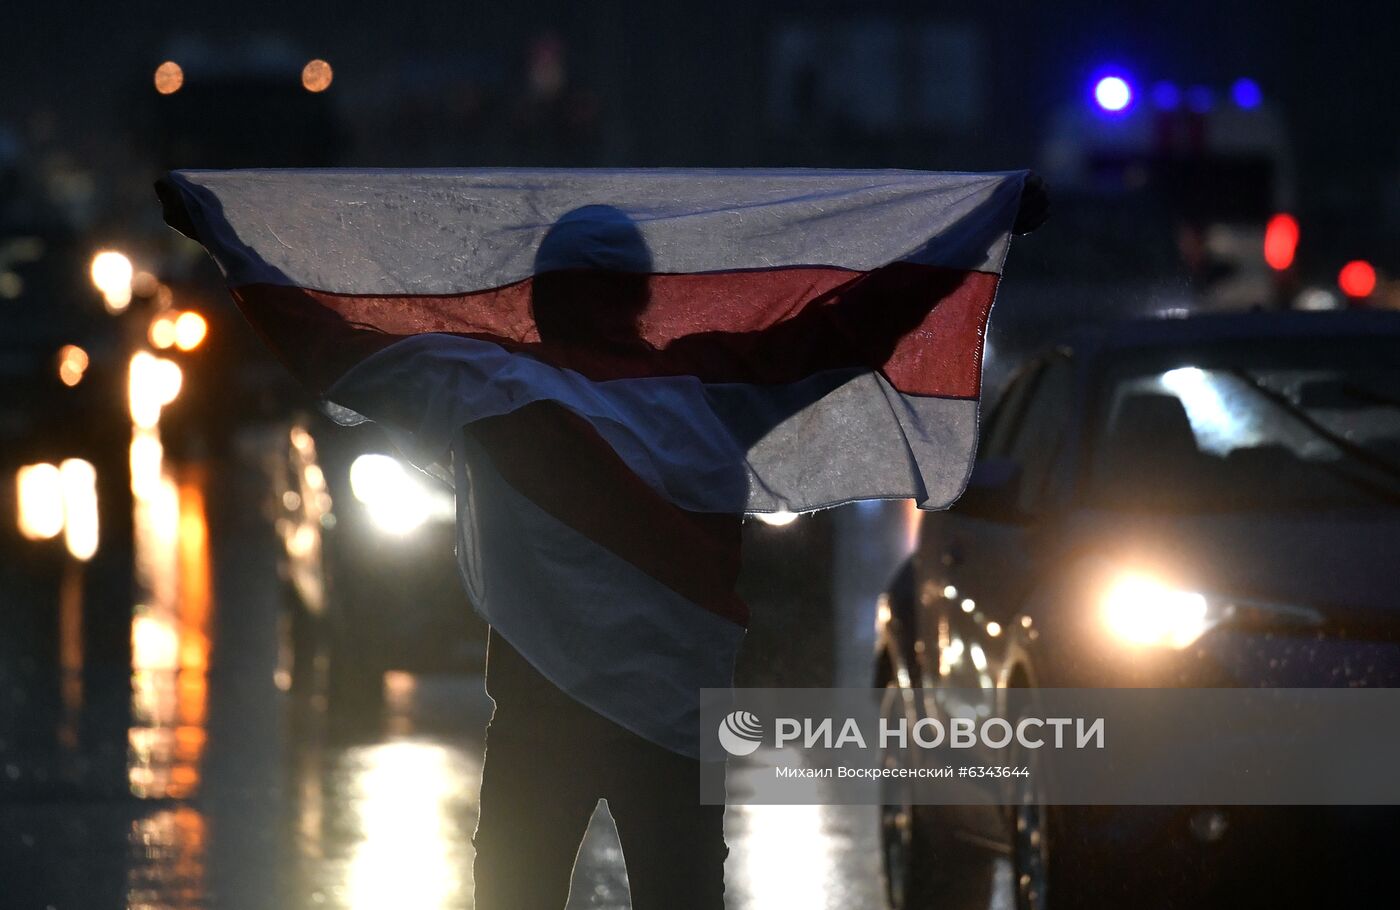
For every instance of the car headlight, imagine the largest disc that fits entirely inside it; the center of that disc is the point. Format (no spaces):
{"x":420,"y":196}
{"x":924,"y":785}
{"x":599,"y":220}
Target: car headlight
{"x":1141,"y":610}
{"x":40,"y":501}
{"x":1144,"y":611}
{"x":397,"y":498}
{"x":60,"y":499}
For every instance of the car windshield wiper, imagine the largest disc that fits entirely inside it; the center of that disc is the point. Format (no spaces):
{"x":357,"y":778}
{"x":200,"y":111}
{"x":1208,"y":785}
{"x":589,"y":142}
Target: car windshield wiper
{"x":1359,"y":454}
{"x":1370,"y":396}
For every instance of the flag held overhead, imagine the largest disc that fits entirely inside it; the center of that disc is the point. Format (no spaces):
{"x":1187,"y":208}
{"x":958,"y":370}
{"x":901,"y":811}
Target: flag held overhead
{"x":619,"y":363}
{"x":818,"y":332}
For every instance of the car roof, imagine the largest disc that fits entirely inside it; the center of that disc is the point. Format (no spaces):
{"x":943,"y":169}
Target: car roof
{"x":1112,"y":337}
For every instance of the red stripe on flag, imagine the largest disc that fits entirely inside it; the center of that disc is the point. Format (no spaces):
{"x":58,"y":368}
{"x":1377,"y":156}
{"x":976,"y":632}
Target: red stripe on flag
{"x":921,"y":326}
{"x":591,"y":489}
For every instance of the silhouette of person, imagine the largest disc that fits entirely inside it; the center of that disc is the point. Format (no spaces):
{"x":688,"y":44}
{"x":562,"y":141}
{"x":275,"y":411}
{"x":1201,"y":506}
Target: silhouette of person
{"x":550,"y":759}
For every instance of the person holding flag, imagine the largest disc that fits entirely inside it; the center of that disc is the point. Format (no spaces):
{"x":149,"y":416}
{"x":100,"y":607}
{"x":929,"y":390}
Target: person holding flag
{"x":612,"y":368}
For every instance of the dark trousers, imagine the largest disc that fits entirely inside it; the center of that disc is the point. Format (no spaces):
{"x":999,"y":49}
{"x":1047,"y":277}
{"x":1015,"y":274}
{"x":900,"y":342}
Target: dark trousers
{"x":548,"y":762}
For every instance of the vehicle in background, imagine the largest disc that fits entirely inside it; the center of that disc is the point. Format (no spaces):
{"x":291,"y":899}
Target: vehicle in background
{"x":1168,"y":200}
{"x":368,"y":566}
{"x":1218,"y":161}
{"x":64,"y":436}
{"x":1201,"y":502}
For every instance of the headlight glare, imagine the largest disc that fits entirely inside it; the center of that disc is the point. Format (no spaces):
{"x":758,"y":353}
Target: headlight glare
{"x":398,"y":502}
{"x":1141,"y":610}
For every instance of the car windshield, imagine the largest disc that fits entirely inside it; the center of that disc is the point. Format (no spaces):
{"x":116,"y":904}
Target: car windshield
{"x":1251,"y":425}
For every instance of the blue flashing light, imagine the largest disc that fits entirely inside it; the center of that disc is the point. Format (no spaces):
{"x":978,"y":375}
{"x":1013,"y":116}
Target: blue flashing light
{"x":1246,"y":94}
{"x":1113,"y":94}
{"x":1166,"y":96}
{"x":1200,"y":99}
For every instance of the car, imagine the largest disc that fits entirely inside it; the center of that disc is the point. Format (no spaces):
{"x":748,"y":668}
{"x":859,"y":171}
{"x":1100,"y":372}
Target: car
{"x":1250,"y":462}
{"x":367,"y":566}
{"x":64,"y":440}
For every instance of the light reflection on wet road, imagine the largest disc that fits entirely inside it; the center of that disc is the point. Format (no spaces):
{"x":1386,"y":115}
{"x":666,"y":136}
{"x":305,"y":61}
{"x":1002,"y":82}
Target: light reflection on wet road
{"x":187,"y":780}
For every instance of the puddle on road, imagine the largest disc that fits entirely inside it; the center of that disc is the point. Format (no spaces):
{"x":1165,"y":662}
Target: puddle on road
{"x":389,"y":824}
{"x":170,"y":644}
{"x":170,"y":641}
{"x":381,"y":823}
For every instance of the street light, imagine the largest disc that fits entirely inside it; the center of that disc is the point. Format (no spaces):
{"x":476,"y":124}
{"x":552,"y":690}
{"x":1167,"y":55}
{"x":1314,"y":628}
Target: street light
{"x":169,"y":77}
{"x":316,"y":76}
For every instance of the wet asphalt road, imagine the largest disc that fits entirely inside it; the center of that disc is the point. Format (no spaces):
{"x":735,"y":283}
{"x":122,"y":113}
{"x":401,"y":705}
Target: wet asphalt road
{"x":186,"y":779}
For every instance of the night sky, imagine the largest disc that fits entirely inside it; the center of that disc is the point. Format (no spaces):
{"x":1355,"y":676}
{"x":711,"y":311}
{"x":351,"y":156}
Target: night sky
{"x":69,"y":70}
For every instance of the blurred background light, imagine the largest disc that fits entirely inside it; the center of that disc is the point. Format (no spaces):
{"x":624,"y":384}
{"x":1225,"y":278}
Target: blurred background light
{"x":1280,"y":241}
{"x":776,"y":519}
{"x":144,"y":284}
{"x":79,"y":482}
{"x":1314,"y":298}
{"x":1246,"y":94}
{"x":1357,"y":278}
{"x":1113,"y":94}
{"x":72,"y":364}
{"x":153,"y":383}
{"x":190,"y":329}
{"x":162,"y":332}
{"x":1200,"y":99}
{"x":40,"y":495}
{"x":169,"y":77}
{"x":1166,"y":96}
{"x":316,"y":76}
{"x":11,"y":285}
{"x":111,"y":274}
